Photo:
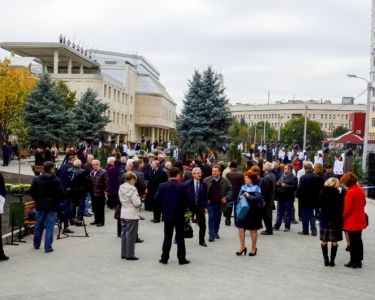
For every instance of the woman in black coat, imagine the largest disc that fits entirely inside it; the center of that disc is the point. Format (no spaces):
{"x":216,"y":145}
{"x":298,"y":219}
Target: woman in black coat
{"x":330,"y":208}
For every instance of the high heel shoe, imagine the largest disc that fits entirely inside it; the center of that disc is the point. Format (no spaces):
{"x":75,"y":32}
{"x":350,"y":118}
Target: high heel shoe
{"x":243,"y":251}
{"x":253,"y":254}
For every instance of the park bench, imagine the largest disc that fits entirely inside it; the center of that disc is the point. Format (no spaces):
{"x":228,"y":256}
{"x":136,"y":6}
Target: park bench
{"x":25,"y":153}
{"x":28,"y":222}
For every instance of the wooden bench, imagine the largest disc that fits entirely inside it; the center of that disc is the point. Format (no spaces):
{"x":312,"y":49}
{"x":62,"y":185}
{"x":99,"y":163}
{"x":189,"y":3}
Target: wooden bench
{"x":29,"y":206}
{"x":25,"y":153}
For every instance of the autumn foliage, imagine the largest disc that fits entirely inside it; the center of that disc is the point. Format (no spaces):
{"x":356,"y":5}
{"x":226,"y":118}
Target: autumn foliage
{"x":15,"y":84}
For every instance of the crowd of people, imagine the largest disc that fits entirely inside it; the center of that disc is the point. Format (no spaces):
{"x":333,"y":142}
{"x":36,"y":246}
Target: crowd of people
{"x":170,"y":190}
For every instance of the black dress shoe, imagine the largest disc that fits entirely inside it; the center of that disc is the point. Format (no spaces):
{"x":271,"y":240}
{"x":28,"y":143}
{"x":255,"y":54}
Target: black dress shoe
{"x":131,"y":258}
{"x":99,"y":225}
{"x":93,"y":223}
{"x":217,"y":237}
{"x":227,"y":222}
{"x":138,"y":241}
{"x":184,"y":262}
{"x":155,"y":221}
{"x":67,"y":230}
{"x":210,"y":239}
{"x":265,"y":232}
{"x":203,"y":244}
{"x":4,"y":257}
{"x":162,"y":261}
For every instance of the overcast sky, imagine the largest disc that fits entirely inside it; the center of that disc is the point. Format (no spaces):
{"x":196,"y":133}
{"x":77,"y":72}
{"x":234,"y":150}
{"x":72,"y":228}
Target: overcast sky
{"x":294,"y":48}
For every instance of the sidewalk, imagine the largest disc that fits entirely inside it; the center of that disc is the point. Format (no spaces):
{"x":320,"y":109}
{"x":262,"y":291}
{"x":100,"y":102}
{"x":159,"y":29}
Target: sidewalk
{"x":287,"y":266}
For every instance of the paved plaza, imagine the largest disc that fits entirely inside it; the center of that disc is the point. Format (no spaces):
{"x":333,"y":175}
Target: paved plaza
{"x":287,"y":266}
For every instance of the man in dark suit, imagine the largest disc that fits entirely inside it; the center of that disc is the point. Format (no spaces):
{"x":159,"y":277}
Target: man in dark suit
{"x":157,"y":176}
{"x":237,"y":181}
{"x":196,"y":192}
{"x":174,"y":204}
{"x":100,"y":184}
{"x":268,"y":187}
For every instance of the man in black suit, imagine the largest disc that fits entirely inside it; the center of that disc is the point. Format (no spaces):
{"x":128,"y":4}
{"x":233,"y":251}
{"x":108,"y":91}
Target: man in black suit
{"x":174,"y":204}
{"x":157,"y":176}
{"x":196,"y":192}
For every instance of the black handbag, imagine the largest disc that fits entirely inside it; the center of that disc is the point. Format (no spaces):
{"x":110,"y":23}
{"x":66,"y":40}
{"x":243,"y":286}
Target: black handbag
{"x":188,"y":231}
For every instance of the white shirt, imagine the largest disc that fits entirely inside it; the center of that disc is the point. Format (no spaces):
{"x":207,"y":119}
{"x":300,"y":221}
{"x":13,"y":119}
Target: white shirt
{"x":338,"y":167}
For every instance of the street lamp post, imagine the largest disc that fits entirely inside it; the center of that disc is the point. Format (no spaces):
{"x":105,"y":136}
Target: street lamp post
{"x":305,"y":129}
{"x":365,"y":138}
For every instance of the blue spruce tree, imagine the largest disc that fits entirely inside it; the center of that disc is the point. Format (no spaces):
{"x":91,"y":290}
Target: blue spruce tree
{"x":45,"y":116}
{"x":89,"y":116}
{"x":205,"y":118}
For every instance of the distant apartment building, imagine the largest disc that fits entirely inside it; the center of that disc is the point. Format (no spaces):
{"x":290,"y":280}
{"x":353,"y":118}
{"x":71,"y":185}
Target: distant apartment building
{"x":139,"y":105}
{"x":328,"y":114}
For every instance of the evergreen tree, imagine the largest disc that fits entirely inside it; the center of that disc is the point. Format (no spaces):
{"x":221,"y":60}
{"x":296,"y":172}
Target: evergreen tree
{"x":205,"y":118}
{"x":69,"y":96}
{"x":45,"y":115}
{"x":89,"y":116}
{"x":218,"y":117}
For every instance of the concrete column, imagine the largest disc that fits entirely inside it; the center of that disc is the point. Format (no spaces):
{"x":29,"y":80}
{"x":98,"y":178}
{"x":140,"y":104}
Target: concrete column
{"x":152,"y":134}
{"x":157,"y":134}
{"x":81,"y":69}
{"x":55,"y":62}
{"x":168,"y":132}
{"x":70,"y":63}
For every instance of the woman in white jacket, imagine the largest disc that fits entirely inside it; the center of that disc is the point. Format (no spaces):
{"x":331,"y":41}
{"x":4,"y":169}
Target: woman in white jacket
{"x":338,"y":167}
{"x":130,"y":204}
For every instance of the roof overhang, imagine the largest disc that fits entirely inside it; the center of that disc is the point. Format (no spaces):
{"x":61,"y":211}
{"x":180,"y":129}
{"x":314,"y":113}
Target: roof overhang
{"x":45,"y":53}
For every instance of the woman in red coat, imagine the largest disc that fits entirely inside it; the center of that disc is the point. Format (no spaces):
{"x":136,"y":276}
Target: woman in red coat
{"x":354,"y":218}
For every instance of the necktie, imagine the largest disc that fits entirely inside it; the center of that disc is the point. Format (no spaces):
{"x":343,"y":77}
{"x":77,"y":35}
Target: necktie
{"x":196,"y":192}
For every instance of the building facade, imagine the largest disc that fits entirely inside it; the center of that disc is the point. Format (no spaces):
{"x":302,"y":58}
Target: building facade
{"x":329,"y":116}
{"x":140,"y":107}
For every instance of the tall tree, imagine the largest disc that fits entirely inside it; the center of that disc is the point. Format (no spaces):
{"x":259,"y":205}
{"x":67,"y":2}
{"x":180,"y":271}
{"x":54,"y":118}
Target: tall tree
{"x":339,"y":130}
{"x":205,"y":118}
{"x":293,"y":132}
{"x":15,"y":84}
{"x":68,"y":96}
{"x":89,"y":116}
{"x":45,"y":116}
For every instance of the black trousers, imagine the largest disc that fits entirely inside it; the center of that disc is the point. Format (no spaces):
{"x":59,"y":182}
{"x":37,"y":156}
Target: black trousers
{"x":201,"y":221}
{"x":98,"y":204}
{"x":356,"y":246}
{"x":1,"y":241}
{"x":157,"y":210}
{"x":267,"y":217}
{"x":6,"y":160}
{"x":228,"y":213}
{"x":180,"y":241}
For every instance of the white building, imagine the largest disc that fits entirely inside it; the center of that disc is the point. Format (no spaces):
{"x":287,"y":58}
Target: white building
{"x":139,"y":103}
{"x":329,"y":115}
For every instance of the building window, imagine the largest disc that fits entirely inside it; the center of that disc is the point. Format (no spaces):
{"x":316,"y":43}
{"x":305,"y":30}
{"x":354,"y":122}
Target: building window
{"x":109,"y":92}
{"x":373,"y":122}
{"x":105,"y":91}
{"x":373,"y":108}
{"x":313,"y":116}
{"x":114,"y":117}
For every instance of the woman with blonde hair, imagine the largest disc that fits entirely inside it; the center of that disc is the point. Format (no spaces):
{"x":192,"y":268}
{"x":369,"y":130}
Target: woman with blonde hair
{"x":330,"y":208}
{"x":355,"y":219}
